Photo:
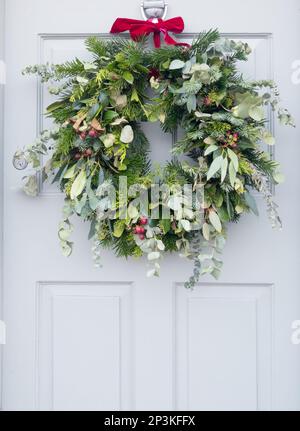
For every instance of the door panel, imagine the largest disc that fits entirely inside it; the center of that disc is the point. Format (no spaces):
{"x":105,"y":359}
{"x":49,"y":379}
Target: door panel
{"x":81,"y":338}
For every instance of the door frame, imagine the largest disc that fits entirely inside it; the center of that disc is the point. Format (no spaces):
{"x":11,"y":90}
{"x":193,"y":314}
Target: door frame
{"x":2,"y":43}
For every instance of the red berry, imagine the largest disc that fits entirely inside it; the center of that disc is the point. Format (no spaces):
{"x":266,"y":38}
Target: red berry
{"x":88,"y":152}
{"x":78,"y":156}
{"x":93,"y":133}
{"x":207,"y":101}
{"x":138,"y":229}
{"x":154,"y":73}
{"x":142,"y":230}
{"x":142,"y":237}
{"x":143,"y":221}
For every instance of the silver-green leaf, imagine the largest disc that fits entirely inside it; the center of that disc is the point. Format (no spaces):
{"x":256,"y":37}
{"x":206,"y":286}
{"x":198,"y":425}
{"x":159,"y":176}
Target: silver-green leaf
{"x":214,"y":167}
{"x":176,"y":64}
{"x":234,"y":158}
{"x":127,"y":135}
{"x":215,"y":220}
{"x":79,"y":184}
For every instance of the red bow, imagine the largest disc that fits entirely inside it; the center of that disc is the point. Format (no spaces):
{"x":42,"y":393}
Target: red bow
{"x":139,"y":28}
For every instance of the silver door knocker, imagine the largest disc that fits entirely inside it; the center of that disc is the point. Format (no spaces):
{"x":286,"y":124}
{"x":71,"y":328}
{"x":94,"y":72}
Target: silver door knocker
{"x":19,"y":161}
{"x":154,"y":9}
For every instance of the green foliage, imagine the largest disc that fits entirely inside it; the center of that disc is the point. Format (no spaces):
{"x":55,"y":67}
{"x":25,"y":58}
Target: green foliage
{"x":124,"y":246}
{"x":69,"y":69}
{"x":96,"y":46}
{"x":204,"y":40}
{"x":65,"y":141}
{"x":99,"y":139}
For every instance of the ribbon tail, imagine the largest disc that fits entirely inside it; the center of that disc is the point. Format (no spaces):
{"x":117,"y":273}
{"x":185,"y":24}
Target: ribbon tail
{"x":169,"y":40}
{"x":156,"y":38}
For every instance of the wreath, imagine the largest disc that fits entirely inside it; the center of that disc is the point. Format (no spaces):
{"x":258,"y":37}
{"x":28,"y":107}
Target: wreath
{"x":99,"y":154}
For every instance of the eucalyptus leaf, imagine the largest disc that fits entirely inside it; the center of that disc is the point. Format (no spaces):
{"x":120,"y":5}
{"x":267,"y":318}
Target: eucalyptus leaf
{"x":251,"y":203}
{"x":278,"y":177}
{"x":176,"y":64}
{"x":224,"y":168}
{"x":234,"y":158}
{"x":160,"y":245}
{"x":128,"y":77}
{"x":186,"y":224}
{"x":31,"y":186}
{"x":78,"y":185}
{"x":257,"y":113}
{"x":66,"y":248}
{"x":101,"y":177}
{"x":191,"y":103}
{"x":92,"y":231}
{"x":93,"y":111}
{"x":268,"y":138}
{"x":132,"y":212}
{"x":214,"y":167}
{"x":154,"y":255}
{"x":70,"y":172}
{"x":210,"y":149}
{"x":54,"y":106}
{"x":206,"y":231}
{"x":232,"y":173}
{"x":121,"y":101}
{"x":151,"y":273}
{"x":215,"y":220}
{"x":93,"y":200}
{"x":119,"y":228}
{"x":127,"y":135}
{"x":247,"y":102}
{"x":80,"y":204}
{"x":209,"y":141}
{"x":108,"y":140}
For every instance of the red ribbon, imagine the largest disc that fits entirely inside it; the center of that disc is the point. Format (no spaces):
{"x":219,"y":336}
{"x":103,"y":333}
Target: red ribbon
{"x":139,"y":28}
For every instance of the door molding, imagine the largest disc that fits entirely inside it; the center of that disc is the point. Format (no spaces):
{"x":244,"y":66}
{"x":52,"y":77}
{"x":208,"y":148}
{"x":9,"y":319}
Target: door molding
{"x":2,"y":65}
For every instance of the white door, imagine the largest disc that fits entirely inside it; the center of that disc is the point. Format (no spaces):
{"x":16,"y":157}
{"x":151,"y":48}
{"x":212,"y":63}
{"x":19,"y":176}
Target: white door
{"x":110,"y":339}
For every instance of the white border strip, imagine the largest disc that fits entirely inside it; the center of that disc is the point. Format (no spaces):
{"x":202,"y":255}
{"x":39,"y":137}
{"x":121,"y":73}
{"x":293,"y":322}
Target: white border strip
{"x":2,"y":75}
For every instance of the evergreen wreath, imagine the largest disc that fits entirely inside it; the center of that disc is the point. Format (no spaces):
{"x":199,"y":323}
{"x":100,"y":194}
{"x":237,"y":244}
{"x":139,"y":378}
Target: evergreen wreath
{"x":97,"y":139}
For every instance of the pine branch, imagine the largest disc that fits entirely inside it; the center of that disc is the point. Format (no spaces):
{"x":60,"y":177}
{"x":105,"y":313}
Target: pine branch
{"x":261,"y":162}
{"x":165,"y":54}
{"x":124,"y":246}
{"x":204,"y":40}
{"x":69,"y":69}
{"x":96,"y":46}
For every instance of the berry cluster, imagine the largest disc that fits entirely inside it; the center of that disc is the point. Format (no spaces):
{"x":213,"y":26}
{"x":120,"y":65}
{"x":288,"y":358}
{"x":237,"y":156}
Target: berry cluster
{"x":93,"y":134}
{"x":231,"y":139}
{"x":139,"y":228}
{"x":86,"y":153}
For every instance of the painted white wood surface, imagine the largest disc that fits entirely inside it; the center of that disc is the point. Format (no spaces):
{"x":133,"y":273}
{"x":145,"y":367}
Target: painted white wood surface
{"x":81,"y":338}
